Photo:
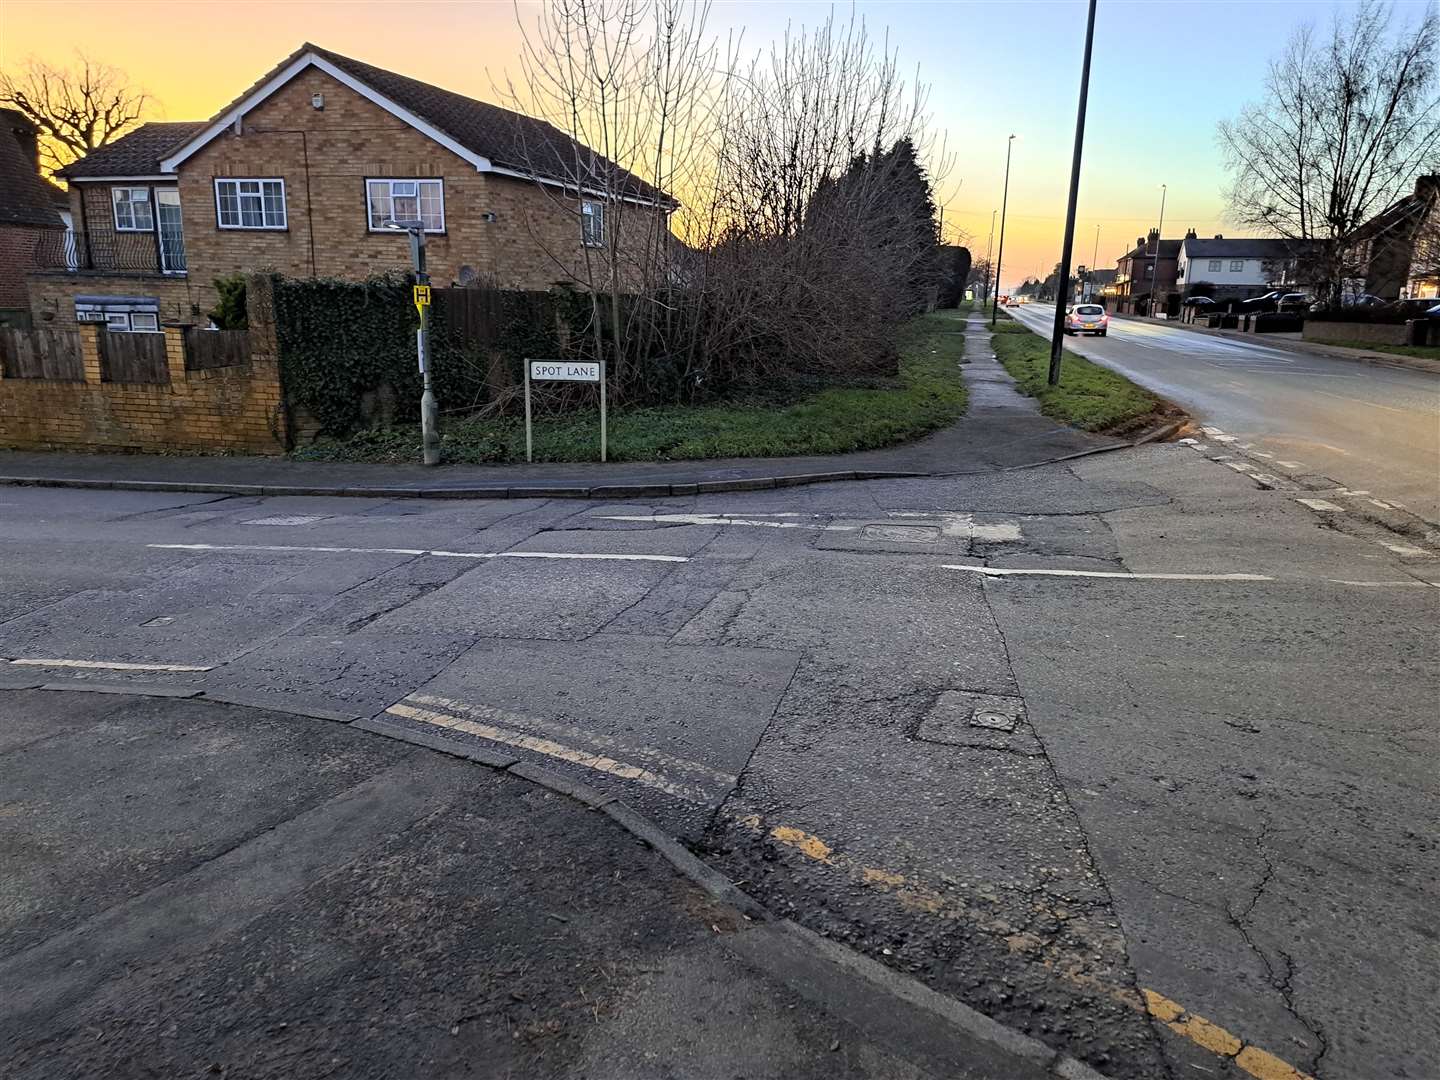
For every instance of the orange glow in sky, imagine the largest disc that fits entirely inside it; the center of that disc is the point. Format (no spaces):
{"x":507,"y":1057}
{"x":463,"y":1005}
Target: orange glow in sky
{"x":993,"y":68}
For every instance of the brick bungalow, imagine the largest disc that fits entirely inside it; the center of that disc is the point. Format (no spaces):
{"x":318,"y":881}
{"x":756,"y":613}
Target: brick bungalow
{"x":29,"y":214}
{"x":299,"y":175}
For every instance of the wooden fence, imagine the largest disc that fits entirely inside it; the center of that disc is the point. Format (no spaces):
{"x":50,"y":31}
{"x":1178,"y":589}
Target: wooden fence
{"x":41,"y":354}
{"x":133,"y":358}
{"x":206,"y":349}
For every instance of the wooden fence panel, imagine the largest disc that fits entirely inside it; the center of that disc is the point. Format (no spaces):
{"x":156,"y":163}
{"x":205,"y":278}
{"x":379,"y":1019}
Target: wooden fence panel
{"x":41,"y":354}
{"x":215,"y":348}
{"x":133,"y":358}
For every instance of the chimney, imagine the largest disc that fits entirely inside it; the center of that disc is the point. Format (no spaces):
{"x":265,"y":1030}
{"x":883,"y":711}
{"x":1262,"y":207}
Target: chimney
{"x":1139,"y":241}
{"x":1428,"y":187}
{"x":26,"y":135}
{"x":1189,"y":234}
{"x":1219,"y":237}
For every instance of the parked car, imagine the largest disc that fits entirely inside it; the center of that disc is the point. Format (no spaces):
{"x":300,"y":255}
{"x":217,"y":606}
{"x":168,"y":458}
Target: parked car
{"x":1416,"y":308}
{"x":1269,"y":302}
{"x":1295,"y":301}
{"x":1433,"y":313}
{"x":1086,"y":319}
{"x":1197,"y":301}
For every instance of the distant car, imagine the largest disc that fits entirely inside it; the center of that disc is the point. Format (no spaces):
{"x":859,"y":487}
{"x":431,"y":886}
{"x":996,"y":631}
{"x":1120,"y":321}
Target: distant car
{"x":1295,"y":301}
{"x":1269,"y":302}
{"x":1197,"y":301}
{"x":1086,"y":319}
{"x":1416,"y":308}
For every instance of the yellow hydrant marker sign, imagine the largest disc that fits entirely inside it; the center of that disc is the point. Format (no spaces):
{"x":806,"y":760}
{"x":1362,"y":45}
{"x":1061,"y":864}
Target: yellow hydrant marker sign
{"x":422,"y":298}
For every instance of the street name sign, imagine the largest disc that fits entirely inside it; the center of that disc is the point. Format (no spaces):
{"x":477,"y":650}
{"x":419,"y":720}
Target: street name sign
{"x":565,"y":370}
{"x":591,"y":371}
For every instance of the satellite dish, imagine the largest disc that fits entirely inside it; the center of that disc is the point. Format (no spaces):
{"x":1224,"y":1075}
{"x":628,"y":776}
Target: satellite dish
{"x":467,"y":275}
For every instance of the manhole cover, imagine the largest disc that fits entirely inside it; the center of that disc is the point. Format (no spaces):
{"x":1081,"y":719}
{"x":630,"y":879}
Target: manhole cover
{"x":970,"y":718}
{"x":902,"y":534}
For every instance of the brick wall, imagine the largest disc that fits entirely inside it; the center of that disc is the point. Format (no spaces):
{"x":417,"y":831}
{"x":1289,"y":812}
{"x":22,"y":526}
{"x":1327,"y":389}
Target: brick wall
{"x":325,"y":156}
{"x":1357,"y":333}
{"x":17,"y":252}
{"x":52,"y":295}
{"x":235,"y":408}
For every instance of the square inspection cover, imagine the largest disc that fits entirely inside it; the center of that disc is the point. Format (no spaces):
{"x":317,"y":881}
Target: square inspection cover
{"x":968,"y":718}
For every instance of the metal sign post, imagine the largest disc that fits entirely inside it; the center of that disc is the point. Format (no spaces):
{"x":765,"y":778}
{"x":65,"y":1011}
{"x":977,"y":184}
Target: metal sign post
{"x":564,"y":371}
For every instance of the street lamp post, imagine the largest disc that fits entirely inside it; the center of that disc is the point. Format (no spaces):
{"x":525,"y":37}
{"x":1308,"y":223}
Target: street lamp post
{"x":1057,"y":336}
{"x":1155,"y":262}
{"x":1093,"y":256}
{"x":1000,"y":254}
{"x":429,"y":419}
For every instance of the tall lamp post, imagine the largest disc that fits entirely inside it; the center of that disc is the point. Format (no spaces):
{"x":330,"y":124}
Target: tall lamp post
{"x":1057,"y":336}
{"x":1004,"y":203}
{"x":1093,"y":256}
{"x":1155,"y":262}
{"x":429,"y":425}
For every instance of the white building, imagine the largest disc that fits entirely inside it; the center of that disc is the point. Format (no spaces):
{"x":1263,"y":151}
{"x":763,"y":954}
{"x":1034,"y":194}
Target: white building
{"x":1234,"y":269}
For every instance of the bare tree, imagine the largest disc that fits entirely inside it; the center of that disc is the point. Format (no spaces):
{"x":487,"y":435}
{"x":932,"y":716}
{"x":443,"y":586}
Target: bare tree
{"x":76,"y":109}
{"x":1347,"y":122}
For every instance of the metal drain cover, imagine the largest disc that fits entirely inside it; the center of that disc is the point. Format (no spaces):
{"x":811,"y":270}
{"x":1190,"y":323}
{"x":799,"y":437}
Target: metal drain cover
{"x":970,"y":718}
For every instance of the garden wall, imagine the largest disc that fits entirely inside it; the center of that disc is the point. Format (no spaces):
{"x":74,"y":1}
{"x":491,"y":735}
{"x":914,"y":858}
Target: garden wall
{"x":1357,"y":333}
{"x":236,"y":408}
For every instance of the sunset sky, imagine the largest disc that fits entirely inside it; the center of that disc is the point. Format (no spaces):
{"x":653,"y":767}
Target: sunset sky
{"x":1164,"y":72}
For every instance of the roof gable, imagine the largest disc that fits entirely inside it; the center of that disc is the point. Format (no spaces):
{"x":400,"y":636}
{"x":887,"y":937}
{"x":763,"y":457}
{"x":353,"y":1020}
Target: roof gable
{"x":490,"y":138}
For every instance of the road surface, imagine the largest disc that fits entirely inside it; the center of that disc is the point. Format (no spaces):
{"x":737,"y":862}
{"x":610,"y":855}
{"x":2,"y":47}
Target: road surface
{"x":1128,"y":753}
{"x":1368,"y":427}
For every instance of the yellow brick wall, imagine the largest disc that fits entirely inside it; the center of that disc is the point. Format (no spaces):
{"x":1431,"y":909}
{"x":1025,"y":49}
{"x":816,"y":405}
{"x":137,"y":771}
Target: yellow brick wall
{"x":235,"y":408}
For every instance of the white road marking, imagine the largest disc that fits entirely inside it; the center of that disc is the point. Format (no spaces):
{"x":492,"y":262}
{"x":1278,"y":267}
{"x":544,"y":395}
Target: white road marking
{"x":1291,"y":464}
{"x":1321,"y":505}
{"x":1358,"y":401}
{"x":550,"y":748}
{"x":1390,"y":584}
{"x":287,"y":519}
{"x":1240,"y":466}
{"x":424,"y":551}
{"x":996,"y":571}
{"x":1381,"y":504}
{"x":1212,"y":431}
{"x":1224,"y":438}
{"x":1405,"y":549}
{"x":1265,"y":478}
{"x":722,"y":519}
{"x":555,"y":727}
{"x":111,"y":665}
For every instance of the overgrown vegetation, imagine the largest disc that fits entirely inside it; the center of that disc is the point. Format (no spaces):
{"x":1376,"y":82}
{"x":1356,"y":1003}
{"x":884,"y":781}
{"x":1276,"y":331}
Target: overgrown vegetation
{"x":771,"y":420}
{"x":1089,"y":396}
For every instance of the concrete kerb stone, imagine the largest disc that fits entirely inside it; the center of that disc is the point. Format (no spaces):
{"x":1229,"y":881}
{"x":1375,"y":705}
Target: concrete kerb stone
{"x":961,"y":1020}
{"x":279,"y":703}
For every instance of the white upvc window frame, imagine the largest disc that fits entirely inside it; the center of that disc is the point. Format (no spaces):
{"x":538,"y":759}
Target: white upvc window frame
{"x":592,"y":210}
{"x":391,"y":182}
{"x":130,"y":203}
{"x":1217,"y":266}
{"x":264,"y":226}
{"x":150,"y":317}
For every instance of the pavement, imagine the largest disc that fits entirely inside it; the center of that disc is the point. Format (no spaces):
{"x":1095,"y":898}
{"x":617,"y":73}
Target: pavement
{"x":991,"y":437}
{"x":1129,"y":753}
{"x":1307,"y":412}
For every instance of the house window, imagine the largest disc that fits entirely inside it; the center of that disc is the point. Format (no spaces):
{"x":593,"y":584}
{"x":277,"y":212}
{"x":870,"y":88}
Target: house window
{"x":250,"y":204}
{"x":132,"y":209}
{"x":405,"y":201}
{"x":1215,"y":265}
{"x":1237,"y":265}
{"x":592,"y":224}
{"x":144,"y":322}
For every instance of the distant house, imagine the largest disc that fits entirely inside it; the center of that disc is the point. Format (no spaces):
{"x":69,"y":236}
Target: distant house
{"x":28,"y":211}
{"x":302,"y":172}
{"x":1397,"y":252}
{"x":1148,"y":267}
{"x":1237,"y":269}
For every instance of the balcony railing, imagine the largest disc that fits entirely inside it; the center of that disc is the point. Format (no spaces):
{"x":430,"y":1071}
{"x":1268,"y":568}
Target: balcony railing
{"x":116,"y":252}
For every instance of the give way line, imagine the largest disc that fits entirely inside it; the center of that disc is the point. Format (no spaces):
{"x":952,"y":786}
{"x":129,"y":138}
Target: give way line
{"x":599,"y":556}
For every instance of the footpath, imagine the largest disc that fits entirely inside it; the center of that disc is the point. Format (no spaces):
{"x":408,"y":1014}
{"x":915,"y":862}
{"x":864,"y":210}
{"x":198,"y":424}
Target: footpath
{"x":998,"y":432}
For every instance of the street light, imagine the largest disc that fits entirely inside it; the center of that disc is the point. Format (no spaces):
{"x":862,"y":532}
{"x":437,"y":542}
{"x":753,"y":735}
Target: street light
{"x":1000,"y":255}
{"x":429,"y":426}
{"x":1057,"y":336}
{"x":1094,"y":256}
{"x":1155,"y":262}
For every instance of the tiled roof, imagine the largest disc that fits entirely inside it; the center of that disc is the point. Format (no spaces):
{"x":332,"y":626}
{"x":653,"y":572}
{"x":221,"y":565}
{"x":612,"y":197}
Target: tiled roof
{"x":1241,"y":248}
{"x":137,"y":153}
{"x":509,"y":140}
{"x":1169,"y":249}
{"x":25,"y":197}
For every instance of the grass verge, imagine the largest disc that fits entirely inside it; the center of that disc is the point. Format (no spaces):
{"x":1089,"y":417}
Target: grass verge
{"x":926,"y":395}
{"x":1424,"y":352}
{"x":1089,"y":396}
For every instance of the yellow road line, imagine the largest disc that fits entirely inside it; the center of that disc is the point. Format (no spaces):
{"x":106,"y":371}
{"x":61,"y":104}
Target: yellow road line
{"x":550,"y":748}
{"x":1202,"y":1032}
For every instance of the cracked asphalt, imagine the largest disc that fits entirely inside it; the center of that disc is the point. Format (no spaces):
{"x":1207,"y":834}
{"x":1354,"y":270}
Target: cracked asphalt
{"x":1179,"y":824}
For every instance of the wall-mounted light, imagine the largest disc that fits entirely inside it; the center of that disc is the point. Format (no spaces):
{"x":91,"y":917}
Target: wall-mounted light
{"x":317,"y":101}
